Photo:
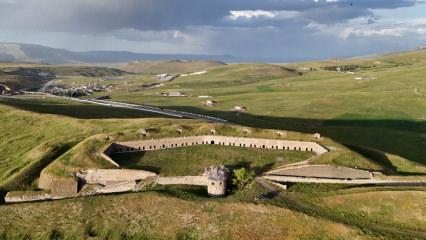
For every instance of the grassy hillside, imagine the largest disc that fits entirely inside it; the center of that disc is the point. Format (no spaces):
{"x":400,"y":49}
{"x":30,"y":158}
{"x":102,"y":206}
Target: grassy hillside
{"x":163,"y":216}
{"x":31,"y":141}
{"x":176,"y":66}
{"x":31,"y":76}
{"x":20,"y":78}
{"x":75,"y":138}
{"x":380,"y":105}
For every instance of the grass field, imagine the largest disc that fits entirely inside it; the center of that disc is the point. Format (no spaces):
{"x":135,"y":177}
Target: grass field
{"x":192,"y":160}
{"x":163,"y":216}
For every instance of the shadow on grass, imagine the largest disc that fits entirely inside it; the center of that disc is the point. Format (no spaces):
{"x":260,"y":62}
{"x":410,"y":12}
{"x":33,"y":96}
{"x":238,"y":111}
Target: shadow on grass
{"x":259,"y":170}
{"x":382,"y":159}
{"x":405,"y":138}
{"x":134,"y":160}
{"x":184,"y":192}
{"x":22,"y":180}
{"x":76,"y":110}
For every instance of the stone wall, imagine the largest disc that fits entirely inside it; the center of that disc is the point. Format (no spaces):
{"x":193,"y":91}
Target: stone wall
{"x":214,"y":187}
{"x":321,"y":171}
{"x":17,"y":197}
{"x":108,"y":152}
{"x":45,"y":181}
{"x":64,"y":187}
{"x":125,"y":186}
{"x":112,"y":176}
{"x":164,"y":143}
{"x":184,"y":180}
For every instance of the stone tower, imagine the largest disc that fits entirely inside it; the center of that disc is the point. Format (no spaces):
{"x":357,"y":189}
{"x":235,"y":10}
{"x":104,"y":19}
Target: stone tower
{"x":217,"y":177}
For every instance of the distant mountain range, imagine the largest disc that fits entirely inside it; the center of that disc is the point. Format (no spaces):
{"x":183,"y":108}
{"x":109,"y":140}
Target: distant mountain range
{"x":29,"y":53}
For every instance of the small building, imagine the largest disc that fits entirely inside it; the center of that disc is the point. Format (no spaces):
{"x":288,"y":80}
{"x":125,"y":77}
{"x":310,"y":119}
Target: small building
{"x":4,"y":89}
{"x":210,"y":103}
{"x":164,"y":77}
{"x":192,"y":74}
{"x":217,"y":177}
{"x":281,"y":133}
{"x":176,"y":94}
{"x":317,"y":136}
{"x":143,"y":132}
{"x":240,"y":109}
{"x":305,"y":69}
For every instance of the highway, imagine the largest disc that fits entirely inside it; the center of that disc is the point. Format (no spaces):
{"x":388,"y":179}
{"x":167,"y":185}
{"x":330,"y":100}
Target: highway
{"x":139,"y":107}
{"x":152,"y":109}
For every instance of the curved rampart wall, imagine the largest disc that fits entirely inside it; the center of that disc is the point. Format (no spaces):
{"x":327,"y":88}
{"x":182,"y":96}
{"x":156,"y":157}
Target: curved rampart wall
{"x":165,"y":143}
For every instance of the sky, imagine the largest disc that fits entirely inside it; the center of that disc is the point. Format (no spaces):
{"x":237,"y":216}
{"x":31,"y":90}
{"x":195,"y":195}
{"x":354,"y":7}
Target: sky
{"x":252,"y":30}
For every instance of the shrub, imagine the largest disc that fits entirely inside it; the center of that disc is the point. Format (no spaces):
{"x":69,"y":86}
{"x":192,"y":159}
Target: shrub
{"x":242,"y":177}
{"x":56,"y":235}
{"x":187,"y":234}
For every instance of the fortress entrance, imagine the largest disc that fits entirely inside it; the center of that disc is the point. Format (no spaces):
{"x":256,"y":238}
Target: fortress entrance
{"x":212,"y":142}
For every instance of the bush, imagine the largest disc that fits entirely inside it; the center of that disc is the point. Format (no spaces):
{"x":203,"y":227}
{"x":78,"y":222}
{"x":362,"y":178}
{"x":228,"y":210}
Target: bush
{"x":56,"y":235}
{"x":242,"y":177}
{"x":187,"y":234}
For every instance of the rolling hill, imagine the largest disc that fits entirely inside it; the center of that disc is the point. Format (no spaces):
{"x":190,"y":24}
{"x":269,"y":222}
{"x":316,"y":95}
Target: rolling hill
{"x":27,"y":76}
{"x":30,"y":53}
{"x":171,"y":66}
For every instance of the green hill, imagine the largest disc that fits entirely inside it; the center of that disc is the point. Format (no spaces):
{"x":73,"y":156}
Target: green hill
{"x":170,"y":67}
{"x":29,"y":76}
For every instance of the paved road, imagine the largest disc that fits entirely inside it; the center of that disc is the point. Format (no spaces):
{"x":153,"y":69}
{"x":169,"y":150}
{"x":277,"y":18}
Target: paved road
{"x":147,"y":108}
{"x":139,"y":107}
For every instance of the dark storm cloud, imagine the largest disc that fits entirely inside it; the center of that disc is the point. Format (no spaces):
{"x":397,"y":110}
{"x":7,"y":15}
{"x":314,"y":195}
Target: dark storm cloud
{"x":95,"y":16}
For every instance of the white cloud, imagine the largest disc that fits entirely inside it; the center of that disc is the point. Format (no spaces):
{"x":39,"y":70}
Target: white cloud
{"x":388,"y":32}
{"x":249,"y":14}
{"x":258,"y":16}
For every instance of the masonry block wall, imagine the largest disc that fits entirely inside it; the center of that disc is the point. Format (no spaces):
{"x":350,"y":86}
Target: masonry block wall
{"x":165,"y":143}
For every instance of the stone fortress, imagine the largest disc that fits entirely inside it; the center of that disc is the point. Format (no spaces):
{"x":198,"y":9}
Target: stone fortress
{"x":99,"y":181}
{"x":87,"y":182}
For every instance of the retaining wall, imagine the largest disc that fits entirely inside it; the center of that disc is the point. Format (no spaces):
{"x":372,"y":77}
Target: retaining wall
{"x":184,"y":180}
{"x":214,"y":187}
{"x":108,"y":152}
{"x":321,"y":171}
{"x":111,"y":176}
